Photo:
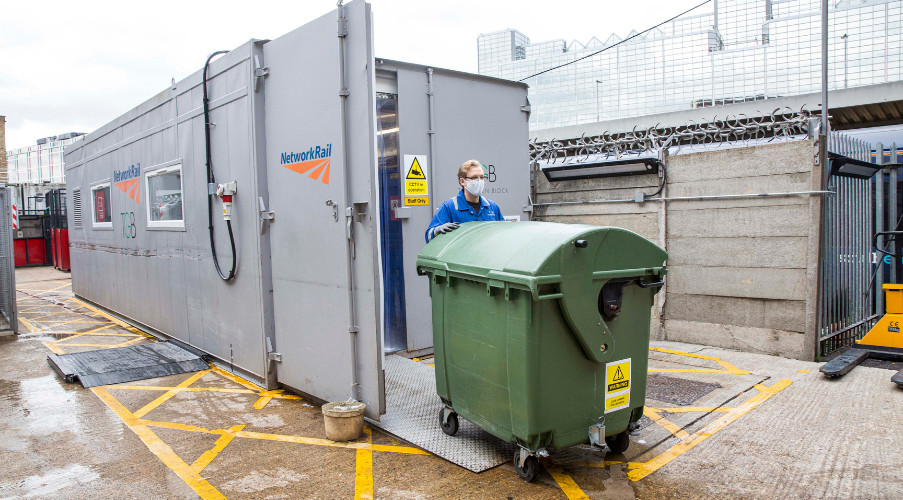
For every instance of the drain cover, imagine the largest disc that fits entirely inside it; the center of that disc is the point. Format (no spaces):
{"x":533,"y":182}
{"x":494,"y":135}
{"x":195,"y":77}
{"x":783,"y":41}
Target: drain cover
{"x":677,"y":391}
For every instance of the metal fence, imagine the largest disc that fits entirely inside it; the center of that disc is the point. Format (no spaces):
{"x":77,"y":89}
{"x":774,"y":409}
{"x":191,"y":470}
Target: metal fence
{"x":7,"y":265}
{"x":848,"y":303}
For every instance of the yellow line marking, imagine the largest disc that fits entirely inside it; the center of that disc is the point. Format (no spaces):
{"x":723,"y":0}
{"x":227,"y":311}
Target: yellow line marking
{"x":180,"y":389}
{"x":162,"y":450}
{"x":567,"y":484}
{"x":693,"y":409}
{"x":803,"y":371}
{"x":113,"y":319}
{"x":399,"y":449}
{"x":128,"y":342}
{"x":28,"y":325}
{"x":643,"y":470}
{"x":204,"y":460}
{"x":93,"y":333}
{"x":681,"y":353}
{"x":363,"y":475}
{"x":53,"y":348}
{"x":55,"y":289}
{"x":301,"y":440}
{"x":728,"y":368}
{"x":173,"y":425}
{"x":732,"y":369}
{"x":656,"y":417}
{"x":165,"y":397}
{"x":601,"y":464}
{"x":685,"y":370}
{"x":238,"y":380}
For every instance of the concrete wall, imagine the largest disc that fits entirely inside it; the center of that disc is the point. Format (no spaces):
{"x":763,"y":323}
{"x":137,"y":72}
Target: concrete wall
{"x":742,"y":272}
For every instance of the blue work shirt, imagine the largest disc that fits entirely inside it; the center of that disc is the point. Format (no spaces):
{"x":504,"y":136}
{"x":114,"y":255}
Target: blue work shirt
{"x":458,"y":210}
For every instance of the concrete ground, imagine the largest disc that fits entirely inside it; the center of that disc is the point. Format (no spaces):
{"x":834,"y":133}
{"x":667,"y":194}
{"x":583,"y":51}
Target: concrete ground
{"x":718,"y":424}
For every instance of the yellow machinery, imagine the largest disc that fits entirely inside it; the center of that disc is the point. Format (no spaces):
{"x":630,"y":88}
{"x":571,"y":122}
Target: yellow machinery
{"x":886,"y":333}
{"x":883,"y":341}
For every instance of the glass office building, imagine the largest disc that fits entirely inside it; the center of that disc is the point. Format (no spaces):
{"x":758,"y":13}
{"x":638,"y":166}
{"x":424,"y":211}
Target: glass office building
{"x":727,"y":51}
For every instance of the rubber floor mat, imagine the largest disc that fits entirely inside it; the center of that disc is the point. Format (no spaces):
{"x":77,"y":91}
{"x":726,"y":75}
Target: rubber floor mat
{"x":125,"y":364}
{"x":412,"y":414}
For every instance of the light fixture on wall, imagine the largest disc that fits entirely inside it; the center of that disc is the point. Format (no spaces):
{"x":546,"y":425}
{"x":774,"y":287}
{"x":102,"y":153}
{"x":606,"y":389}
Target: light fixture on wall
{"x":844,"y":166}
{"x":605,"y":168}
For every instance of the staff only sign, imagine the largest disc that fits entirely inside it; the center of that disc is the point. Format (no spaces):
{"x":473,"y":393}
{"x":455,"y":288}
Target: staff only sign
{"x":416,"y":184}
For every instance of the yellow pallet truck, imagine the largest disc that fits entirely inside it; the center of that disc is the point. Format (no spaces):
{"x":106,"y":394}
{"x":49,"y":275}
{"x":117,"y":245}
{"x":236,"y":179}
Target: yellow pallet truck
{"x":883,"y":341}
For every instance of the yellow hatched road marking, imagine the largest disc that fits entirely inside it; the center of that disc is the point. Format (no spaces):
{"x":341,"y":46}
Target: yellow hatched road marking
{"x":659,"y":461}
{"x":363,"y":474}
{"x":28,"y":325}
{"x":238,"y":380}
{"x":567,"y":484}
{"x":693,"y":409}
{"x":181,"y":389}
{"x":55,"y":289}
{"x":112,"y":318}
{"x":169,"y":394}
{"x":162,"y":450}
{"x":728,"y":368}
{"x":656,"y":417}
{"x":53,"y":348}
{"x":204,"y":460}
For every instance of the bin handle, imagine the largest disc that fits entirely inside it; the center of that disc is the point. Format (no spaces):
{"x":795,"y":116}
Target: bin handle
{"x":651,"y":285}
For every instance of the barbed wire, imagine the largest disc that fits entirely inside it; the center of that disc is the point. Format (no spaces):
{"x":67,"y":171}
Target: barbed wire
{"x":780,"y":124}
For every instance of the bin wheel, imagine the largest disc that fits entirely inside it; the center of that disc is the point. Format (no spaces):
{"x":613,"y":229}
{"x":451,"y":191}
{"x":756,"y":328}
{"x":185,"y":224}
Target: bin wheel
{"x":529,"y":469}
{"x":451,"y":426}
{"x":618,"y":443}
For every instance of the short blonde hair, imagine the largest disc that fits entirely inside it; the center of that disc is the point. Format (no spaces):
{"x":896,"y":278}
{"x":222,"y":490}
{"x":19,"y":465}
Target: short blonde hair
{"x":466,"y":166}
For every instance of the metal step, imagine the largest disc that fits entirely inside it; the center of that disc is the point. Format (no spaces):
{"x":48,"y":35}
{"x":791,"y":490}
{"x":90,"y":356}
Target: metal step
{"x":125,"y":364}
{"x":412,"y":414}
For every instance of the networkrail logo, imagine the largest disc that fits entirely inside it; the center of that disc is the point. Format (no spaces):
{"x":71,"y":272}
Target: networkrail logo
{"x":128,"y":181}
{"x":316,"y":158}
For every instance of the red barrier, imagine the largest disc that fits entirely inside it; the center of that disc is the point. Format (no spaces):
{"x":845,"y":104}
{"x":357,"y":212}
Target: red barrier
{"x":29,"y":252}
{"x":63,"y":238}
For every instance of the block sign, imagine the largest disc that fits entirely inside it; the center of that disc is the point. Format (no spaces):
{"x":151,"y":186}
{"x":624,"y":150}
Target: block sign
{"x":416,"y":184}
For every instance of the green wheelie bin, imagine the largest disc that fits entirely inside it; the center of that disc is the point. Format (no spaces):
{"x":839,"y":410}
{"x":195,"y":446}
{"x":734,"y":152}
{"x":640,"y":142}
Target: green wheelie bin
{"x":541,"y":331}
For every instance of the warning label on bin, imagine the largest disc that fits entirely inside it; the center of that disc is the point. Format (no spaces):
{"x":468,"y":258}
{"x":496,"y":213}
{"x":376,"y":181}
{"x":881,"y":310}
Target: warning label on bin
{"x":617,"y":402}
{"x":416,"y":187}
{"x":617,"y":385}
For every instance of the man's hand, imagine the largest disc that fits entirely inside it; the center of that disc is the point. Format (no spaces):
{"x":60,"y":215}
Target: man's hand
{"x":445,"y":228}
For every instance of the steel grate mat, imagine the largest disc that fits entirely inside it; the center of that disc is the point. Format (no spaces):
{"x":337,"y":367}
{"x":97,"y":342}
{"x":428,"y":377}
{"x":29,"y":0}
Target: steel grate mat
{"x":412,"y":414}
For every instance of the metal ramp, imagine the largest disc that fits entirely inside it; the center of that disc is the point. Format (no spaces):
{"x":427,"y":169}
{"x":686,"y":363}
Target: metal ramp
{"x":412,"y":414}
{"x":125,"y":364}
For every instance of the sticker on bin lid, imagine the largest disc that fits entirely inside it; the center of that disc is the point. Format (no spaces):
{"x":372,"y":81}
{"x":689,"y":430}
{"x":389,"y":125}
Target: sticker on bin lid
{"x":617,"y":385}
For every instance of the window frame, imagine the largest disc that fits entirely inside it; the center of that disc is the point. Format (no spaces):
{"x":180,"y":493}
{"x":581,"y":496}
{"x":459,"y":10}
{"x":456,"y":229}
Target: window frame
{"x":102,"y":226}
{"x":154,"y":171}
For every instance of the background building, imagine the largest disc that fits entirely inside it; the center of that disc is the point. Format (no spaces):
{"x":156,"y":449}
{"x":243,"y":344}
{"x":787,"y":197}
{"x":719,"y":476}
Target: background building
{"x":736,"y":51}
{"x":36,"y":169}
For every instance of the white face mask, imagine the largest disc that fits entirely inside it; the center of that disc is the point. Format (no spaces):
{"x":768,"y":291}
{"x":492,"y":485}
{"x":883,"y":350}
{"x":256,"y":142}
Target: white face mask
{"x":474,"y":187}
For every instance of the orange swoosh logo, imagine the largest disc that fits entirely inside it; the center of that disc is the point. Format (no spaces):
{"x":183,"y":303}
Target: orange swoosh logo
{"x":319,"y":166}
{"x":132,"y":188}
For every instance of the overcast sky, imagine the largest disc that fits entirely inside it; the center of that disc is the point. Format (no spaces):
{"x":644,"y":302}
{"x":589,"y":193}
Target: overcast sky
{"x":74,"y":66}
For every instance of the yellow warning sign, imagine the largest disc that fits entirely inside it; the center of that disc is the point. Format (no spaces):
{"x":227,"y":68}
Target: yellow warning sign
{"x":416,"y":184}
{"x":415,"y":172}
{"x":617,"y":385}
{"x":416,"y":201}
{"x":414,"y":187}
{"x":617,"y":402}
